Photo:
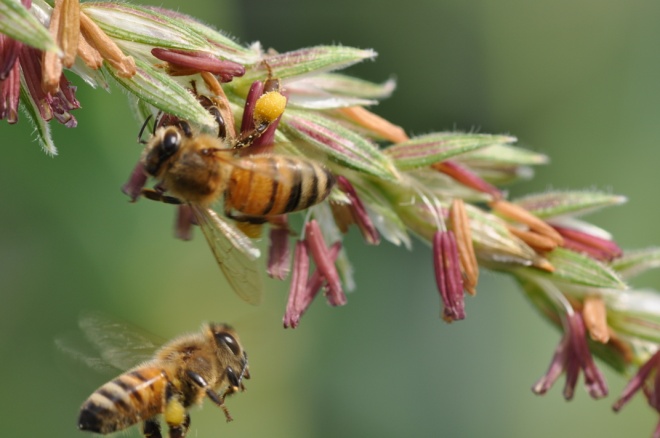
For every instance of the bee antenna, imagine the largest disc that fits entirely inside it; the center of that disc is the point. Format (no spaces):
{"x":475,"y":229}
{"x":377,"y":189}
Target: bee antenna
{"x":159,"y":116}
{"x":144,"y":125}
{"x":268,"y":68}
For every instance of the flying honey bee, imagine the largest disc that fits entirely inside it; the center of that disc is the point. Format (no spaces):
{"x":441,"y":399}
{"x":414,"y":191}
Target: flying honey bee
{"x":211,"y":363}
{"x":199,"y":169}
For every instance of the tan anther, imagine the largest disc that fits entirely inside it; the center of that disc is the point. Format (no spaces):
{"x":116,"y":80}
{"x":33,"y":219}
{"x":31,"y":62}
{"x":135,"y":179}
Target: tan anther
{"x":52,"y":63}
{"x":369,"y":120}
{"x":537,"y":241}
{"x":459,"y":223}
{"x":90,"y":56}
{"x":125,"y":65}
{"x":543,"y":264}
{"x":594,"y":314}
{"x":519,"y":214}
{"x":342,"y":215}
{"x":69,"y":30}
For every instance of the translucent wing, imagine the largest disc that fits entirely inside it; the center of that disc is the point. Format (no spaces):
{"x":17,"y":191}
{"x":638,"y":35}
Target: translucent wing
{"x":78,"y":350}
{"x":104,"y":344}
{"x":235,"y":253}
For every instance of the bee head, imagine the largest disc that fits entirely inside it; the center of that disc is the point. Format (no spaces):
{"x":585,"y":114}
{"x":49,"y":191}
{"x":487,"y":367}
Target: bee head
{"x":227,"y":342}
{"x":225,"y":338}
{"x":162,"y":146}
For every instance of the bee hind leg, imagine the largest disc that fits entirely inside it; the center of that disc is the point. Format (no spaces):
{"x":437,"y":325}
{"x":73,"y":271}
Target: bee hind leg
{"x":231,"y":213}
{"x":254,"y":220}
{"x":151,"y":429}
{"x":176,"y":416}
{"x":181,"y":430}
{"x":175,"y":413}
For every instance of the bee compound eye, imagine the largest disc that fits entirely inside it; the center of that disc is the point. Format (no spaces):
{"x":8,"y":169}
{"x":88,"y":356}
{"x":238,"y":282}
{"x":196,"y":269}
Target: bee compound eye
{"x":170,"y":144}
{"x":229,"y":341}
{"x":232,"y":377}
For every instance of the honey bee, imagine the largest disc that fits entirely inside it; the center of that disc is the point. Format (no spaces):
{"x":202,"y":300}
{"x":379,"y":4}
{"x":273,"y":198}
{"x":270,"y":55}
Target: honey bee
{"x":211,"y":363}
{"x":199,"y":169}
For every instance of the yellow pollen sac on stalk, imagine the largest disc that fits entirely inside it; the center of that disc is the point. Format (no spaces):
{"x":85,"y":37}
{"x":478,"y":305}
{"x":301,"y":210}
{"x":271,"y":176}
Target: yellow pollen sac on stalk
{"x":269,"y":107}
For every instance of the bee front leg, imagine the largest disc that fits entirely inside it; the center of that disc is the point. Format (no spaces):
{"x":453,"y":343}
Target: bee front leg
{"x":210,"y":393}
{"x":151,"y":429}
{"x":219,"y":400}
{"x":155,"y":195}
{"x":222,"y":128}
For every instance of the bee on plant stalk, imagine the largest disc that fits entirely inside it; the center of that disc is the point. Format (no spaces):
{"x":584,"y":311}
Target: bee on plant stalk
{"x":211,"y":363}
{"x":198,"y":169}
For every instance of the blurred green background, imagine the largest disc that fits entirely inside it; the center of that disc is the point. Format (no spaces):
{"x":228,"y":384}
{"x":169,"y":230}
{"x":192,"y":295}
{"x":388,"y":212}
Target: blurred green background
{"x":575,"y":80}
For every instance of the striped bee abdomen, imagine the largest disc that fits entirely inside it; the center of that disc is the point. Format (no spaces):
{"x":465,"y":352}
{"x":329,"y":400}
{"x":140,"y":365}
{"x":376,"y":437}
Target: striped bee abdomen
{"x":130,"y":398}
{"x":273,"y":184}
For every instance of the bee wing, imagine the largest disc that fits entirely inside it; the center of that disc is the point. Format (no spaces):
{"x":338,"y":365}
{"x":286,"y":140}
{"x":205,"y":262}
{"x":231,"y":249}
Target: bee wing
{"x":103,"y":347}
{"x":78,"y":350}
{"x":235,"y":253}
{"x":120,"y":343}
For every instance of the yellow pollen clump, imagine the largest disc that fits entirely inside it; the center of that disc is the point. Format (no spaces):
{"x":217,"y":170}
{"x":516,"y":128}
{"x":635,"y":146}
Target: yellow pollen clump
{"x":175,"y":413}
{"x":269,"y":107}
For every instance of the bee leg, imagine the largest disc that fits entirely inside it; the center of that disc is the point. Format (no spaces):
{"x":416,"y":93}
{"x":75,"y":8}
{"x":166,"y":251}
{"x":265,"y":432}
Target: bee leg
{"x":263,"y":108}
{"x":222,"y":128}
{"x":212,"y":108}
{"x":239,"y":217}
{"x":199,"y":380}
{"x":219,"y":400}
{"x":233,"y":378}
{"x":155,"y":195}
{"x":185,"y":127}
{"x":247,"y":138}
{"x":251,"y":226}
{"x":181,"y":430}
{"x":215,"y":398}
{"x":151,"y":429}
{"x":175,"y":414}
{"x":254,"y":220}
